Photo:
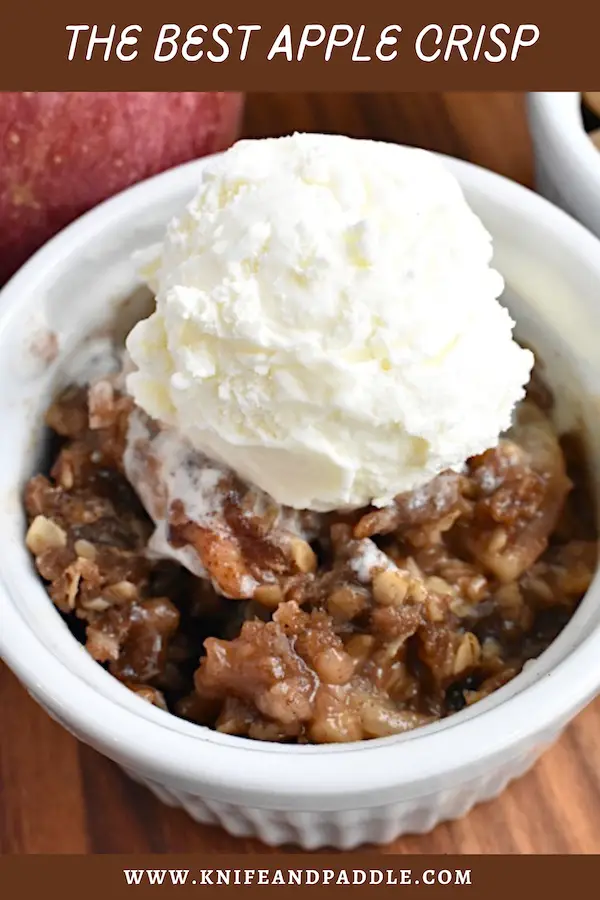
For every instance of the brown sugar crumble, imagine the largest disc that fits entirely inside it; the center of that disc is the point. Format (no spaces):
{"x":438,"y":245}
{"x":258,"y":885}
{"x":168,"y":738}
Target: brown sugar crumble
{"x":314,"y":628}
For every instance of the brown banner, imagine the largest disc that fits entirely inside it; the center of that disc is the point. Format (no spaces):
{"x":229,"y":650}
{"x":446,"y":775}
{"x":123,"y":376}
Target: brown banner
{"x":233,"y":44}
{"x":319,"y":876}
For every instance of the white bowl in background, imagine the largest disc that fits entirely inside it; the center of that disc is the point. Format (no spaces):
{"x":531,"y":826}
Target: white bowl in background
{"x":341,"y":795}
{"x":567,"y":163}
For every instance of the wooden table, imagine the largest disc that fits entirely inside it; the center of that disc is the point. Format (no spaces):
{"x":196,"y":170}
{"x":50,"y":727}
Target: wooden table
{"x":57,"y":796}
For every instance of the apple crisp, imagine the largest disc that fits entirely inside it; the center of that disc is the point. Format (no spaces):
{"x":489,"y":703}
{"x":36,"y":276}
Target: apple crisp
{"x":278,"y":625}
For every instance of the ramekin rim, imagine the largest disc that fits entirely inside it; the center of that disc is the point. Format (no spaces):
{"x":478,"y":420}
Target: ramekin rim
{"x":561,"y":114}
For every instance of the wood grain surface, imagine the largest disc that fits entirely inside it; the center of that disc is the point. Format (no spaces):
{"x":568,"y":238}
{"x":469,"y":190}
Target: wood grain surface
{"x":58,"y":796}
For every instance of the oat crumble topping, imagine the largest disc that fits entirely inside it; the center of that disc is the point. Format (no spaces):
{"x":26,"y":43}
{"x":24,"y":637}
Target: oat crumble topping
{"x":287,"y":626}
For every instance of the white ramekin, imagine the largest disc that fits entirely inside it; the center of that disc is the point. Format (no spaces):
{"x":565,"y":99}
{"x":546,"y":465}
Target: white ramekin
{"x":339,"y":796}
{"x":567,"y":163}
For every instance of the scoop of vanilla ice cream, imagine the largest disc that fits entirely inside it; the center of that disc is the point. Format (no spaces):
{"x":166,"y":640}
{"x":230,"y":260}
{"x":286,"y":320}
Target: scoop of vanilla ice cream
{"x":327,"y":322}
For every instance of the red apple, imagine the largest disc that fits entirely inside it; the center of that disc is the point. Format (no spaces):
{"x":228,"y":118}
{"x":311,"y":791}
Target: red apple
{"x":63,"y":152}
